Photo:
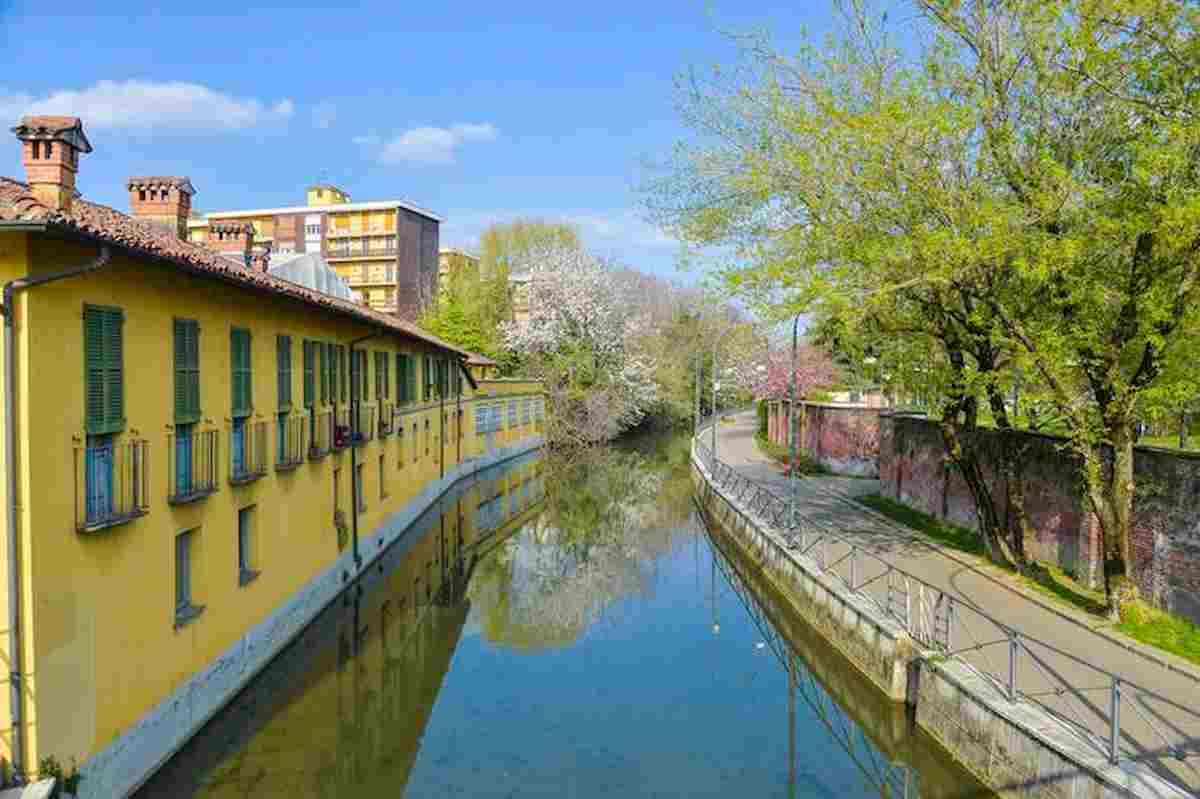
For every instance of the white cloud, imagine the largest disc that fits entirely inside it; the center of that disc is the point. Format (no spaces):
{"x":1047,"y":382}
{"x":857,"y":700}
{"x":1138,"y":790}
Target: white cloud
{"x":429,"y":146}
{"x":370,"y":140}
{"x":146,"y":105}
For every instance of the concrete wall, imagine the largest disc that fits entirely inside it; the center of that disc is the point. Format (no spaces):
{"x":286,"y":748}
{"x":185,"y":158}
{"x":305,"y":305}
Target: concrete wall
{"x":1166,"y":514}
{"x":842,"y":438}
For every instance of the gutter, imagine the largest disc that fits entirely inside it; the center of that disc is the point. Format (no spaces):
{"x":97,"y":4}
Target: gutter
{"x":15,"y":668}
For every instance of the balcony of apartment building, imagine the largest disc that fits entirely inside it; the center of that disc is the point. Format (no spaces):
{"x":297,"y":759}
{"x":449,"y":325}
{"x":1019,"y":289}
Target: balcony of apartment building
{"x":112,"y":481}
{"x":247,"y":451}
{"x":377,"y":274}
{"x":358,"y":246}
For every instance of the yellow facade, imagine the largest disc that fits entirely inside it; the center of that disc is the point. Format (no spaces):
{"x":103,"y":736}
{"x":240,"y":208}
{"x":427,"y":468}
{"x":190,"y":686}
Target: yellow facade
{"x":326,"y":195}
{"x":100,"y":638}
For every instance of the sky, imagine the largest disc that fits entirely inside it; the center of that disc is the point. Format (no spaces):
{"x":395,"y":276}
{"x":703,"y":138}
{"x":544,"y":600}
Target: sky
{"x":481,"y":112}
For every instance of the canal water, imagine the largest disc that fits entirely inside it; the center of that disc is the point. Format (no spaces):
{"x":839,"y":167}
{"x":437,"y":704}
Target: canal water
{"x":600,"y":641}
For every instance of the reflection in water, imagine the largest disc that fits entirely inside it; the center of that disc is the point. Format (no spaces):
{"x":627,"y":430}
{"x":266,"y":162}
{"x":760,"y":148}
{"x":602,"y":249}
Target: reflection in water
{"x":581,"y":640}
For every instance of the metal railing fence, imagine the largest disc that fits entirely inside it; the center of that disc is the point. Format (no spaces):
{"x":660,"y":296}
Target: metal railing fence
{"x":1117,"y":718}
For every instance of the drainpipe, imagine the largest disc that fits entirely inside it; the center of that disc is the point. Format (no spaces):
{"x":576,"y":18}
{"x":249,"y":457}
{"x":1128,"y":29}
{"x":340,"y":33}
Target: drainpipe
{"x":355,"y":407}
{"x":15,"y":668}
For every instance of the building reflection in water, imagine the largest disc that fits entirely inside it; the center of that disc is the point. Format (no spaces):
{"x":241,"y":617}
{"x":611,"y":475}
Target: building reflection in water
{"x":341,"y":711}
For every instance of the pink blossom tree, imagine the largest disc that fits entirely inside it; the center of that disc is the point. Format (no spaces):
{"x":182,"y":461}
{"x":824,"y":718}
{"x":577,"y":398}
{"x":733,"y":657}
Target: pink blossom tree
{"x":770,"y":377}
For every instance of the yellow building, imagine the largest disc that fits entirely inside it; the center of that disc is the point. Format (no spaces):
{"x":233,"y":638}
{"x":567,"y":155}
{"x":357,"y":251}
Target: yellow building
{"x":198,"y":458}
{"x":386,"y":250}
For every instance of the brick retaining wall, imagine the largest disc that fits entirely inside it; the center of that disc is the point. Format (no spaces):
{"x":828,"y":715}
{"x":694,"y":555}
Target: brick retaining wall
{"x":842,"y":438}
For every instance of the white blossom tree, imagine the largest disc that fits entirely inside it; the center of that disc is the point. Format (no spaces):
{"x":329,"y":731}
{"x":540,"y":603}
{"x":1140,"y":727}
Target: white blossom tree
{"x":582,"y":339}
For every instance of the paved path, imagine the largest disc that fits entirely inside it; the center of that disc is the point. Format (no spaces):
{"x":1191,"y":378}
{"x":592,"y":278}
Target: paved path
{"x":1062,"y":661}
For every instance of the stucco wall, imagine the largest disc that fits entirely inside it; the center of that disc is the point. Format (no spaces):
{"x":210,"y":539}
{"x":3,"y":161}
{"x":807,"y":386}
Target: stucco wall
{"x":1166,"y":513}
{"x":842,"y":438}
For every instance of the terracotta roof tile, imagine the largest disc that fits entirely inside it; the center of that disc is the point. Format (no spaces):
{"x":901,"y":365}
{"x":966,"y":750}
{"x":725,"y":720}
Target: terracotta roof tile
{"x":104,"y":224}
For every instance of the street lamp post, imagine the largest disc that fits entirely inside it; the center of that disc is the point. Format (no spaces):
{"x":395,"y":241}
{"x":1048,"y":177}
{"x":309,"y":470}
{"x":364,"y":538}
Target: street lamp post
{"x":792,"y":430}
{"x":715,"y":386}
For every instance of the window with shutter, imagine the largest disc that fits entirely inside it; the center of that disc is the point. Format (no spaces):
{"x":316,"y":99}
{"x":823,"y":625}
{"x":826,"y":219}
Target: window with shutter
{"x":411,"y":378}
{"x":283,"y":348}
{"x":362,"y":374}
{"x":187,"y":371}
{"x":309,"y":377}
{"x":331,"y":368}
{"x":239,"y":346}
{"x":104,"y":401}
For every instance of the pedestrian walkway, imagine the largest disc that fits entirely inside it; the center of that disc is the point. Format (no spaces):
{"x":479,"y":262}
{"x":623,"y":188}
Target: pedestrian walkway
{"x":1061,"y":662}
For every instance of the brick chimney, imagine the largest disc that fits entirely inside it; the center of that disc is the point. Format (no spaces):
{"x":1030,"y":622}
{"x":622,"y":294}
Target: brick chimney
{"x":50,"y":148}
{"x":232,"y":239}
{"x":163,"y":201}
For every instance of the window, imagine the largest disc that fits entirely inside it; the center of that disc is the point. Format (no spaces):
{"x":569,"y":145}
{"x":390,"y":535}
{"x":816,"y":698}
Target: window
{"x":37,"y":150}
{"x":239,"y":345}
{"x":382,"y":480}
{"x":246,"y":543}
{"x":187,"y":371}
{"x":49,"y":149}
{"x":400,"y":445}
{"x":358,"y":488}
{"x":237,"y":448}
{"x":380,"y":359}
{"x":414,"y":442}
{"x":142,"y":195}
{"x":310,"y":378}
{"x":403,"y":367}
{"x":183,"y":459}
{"x":282,"y":454}
{"x":283,"y":353}
{"x":185,"y":606}
{"x":427,"y":434}
{"x":104,"y":367}
{"x":330,"y":361}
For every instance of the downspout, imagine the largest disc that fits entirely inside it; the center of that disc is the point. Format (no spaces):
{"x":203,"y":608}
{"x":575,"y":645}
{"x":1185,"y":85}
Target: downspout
{"x":355,"y":409}
{"x":15,"y":668}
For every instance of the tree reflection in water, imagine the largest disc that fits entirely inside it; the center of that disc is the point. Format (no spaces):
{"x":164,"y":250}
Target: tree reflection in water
{"x":608,"y":515}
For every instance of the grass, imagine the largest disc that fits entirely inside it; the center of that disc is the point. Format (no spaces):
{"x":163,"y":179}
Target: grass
{"x":953,"y":536}
{"x":1162,"y":630}
{"x":1171,"y":442}
{"x":779,"y":452}
{"x":1157,"y":628}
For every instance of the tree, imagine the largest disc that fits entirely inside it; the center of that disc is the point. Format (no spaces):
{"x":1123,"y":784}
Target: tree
{"x":1020,"y":196}
{"x":776,"y":378}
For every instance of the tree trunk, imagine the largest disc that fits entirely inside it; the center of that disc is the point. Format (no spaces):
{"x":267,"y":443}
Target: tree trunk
{"x":1018,"y":529}
{"x":1183,"y":430}
{"x":1111,"y":495}
{"x":962,"y":454}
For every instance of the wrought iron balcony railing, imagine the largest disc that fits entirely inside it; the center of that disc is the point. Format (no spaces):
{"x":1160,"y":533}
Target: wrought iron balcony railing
{"x":320,"y":433}
{"x":112,"y":481}
{"x":192,"y":460}
{"x":291,"y":442}
{"x":247,"y":451}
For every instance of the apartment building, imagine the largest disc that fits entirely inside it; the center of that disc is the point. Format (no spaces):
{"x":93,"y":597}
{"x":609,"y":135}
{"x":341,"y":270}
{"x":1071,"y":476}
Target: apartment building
{"x":386,"y":250}
{"x":198,"y":457}
{"x":451,"y":260}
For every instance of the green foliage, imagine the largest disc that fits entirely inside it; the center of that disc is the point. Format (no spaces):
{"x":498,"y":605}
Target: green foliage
{"x":64,"y":781}
{"x":779,"y":452}
{"x":763,"y":416}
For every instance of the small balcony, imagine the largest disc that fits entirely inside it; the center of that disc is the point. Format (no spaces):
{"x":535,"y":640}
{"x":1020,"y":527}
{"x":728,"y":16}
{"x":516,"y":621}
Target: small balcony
{"x":387,"y":422}
{"x":341,"y":427}
{"x":112,"y":482}
{"x":192,"y":465}
{"x":364,"y":423}
{"x":320,"y":433}
{"x":291,"y":442}
{"x":247,"y":451}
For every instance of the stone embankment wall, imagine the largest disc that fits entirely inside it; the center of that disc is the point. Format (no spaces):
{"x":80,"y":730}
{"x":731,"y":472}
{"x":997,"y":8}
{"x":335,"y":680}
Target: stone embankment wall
{"x":914,"y":469}
{"x":1013,"y":747}
{"x":842,"y":438}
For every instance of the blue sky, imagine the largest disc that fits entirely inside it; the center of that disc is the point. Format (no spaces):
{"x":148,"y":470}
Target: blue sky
{"x":479,"y":111}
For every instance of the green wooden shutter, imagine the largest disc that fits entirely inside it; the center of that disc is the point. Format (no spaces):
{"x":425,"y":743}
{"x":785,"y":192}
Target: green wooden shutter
{"x":341,"y":365}
{"x":331,"y":370}
{"x":309,"y":378}
{"x":362,"y":374}
{"x":378,"y":377}
{"x":104,"y":402}
{"x":239,"y":347}
{"x":399,"y":378}
{"x":187,"y":371}
{"x":283,"y":348}
{"x":323,"y":368}
{"x":411,"y":377}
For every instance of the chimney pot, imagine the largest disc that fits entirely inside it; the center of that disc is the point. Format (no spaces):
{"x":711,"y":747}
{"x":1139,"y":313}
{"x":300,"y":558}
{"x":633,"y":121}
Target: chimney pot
{"x":50,"y":148}
{"x":162,"y":200}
